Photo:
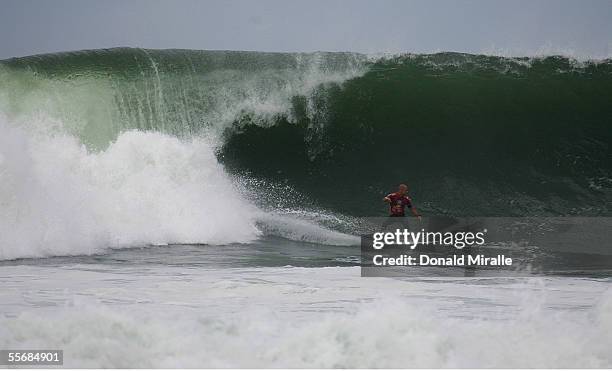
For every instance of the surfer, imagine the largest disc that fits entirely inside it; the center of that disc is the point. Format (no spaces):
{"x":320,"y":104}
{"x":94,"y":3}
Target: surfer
{"x":398,"y":202}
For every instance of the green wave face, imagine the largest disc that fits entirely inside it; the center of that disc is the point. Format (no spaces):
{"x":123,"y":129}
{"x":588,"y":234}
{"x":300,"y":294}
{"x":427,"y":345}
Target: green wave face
{"x":471,"y":135}
{"x":98,"y":94}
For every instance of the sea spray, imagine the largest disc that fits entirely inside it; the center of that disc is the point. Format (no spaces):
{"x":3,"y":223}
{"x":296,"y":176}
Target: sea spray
{"x":146,"y":188}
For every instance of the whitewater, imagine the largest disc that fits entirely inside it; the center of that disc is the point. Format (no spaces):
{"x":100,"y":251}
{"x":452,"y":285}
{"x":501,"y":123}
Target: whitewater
{"x":140,"y":312}
{"x":200,"y":208}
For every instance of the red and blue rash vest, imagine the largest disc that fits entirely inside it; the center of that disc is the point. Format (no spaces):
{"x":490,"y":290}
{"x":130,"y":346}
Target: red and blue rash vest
{"x":398,"y":204}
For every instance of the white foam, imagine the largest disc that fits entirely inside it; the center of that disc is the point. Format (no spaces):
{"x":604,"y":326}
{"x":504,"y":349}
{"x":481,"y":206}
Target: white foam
{"x":306,"y":317}
{"x":146,"y":188}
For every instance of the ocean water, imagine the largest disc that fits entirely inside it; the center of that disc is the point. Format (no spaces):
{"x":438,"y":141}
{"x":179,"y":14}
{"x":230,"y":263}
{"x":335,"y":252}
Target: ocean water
{"x":201,"y":209}
{"x":190,"y":306}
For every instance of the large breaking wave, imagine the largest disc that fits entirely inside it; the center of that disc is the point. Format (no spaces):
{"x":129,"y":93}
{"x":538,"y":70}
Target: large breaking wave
{"x":125,"y":147}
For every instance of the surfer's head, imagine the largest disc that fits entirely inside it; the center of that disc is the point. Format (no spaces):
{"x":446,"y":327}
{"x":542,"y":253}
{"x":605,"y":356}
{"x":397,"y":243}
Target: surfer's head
{"x":402,"y":189}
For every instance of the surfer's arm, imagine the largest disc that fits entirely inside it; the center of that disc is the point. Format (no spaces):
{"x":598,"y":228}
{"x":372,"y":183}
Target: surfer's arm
{"x":387,"y":199}
{"x":415,"y":212}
